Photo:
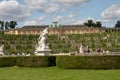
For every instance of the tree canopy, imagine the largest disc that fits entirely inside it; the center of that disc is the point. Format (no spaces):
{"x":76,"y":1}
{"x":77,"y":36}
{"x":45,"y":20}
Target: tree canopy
{"x":117,"y":25}
{"x":90,"y":23}
{"x":4,"y":25}
{"x":1,"y":25}
{"x":12,"y":24}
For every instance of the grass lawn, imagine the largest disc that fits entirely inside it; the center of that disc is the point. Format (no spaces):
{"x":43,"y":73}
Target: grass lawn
{"x":54,"y":73}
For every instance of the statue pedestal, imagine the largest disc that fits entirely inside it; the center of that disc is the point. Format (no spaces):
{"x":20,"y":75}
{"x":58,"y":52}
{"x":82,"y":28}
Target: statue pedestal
{"x":1,"y":53}
{"x":42,"y":53}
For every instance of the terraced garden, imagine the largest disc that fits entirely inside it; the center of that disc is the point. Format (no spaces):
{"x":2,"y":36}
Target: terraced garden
{"x":14,"y":44}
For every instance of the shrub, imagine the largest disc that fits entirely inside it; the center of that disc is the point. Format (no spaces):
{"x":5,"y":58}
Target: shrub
{"x":36,"y":61}
{"x":88,"y":62}
{"x":24,"y":61}
{"x":28,"y":61}
{"x":7,"y":47}
{"x":7,"y":61}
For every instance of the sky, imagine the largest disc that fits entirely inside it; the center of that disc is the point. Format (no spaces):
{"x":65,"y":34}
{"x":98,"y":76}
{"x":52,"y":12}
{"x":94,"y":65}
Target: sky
{"x":66,"y":12}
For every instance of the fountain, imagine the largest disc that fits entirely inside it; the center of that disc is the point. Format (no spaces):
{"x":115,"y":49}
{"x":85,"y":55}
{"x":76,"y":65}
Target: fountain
{"x":42,"y":48}
{"x":1,"y":51}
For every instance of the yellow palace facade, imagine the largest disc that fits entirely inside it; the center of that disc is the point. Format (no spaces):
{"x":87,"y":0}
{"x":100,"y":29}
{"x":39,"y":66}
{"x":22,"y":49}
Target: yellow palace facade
{"x":54,"y":28}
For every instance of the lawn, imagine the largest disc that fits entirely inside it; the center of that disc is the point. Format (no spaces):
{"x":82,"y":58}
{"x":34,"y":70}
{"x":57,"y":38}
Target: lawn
{"x":54,"y":73}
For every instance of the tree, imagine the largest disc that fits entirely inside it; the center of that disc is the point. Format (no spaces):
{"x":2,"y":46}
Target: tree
{"x":12,"y":24}
{"x":6,"y":25}
{"x":89,"y":23}
{"x":98,"y":24}
{"x":2,"y":25}
{"x":117,"y":25}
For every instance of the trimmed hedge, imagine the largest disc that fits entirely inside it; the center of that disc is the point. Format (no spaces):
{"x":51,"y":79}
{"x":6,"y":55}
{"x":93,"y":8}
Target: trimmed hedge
{"x":36,"y":61}
{"x":69,"y":62}
{"x":7,"y":61}
{"x":88,"y":62}
{"x":29,"y":61}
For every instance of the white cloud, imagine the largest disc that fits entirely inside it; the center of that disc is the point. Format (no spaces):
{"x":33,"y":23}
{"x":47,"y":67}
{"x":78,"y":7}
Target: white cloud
{"x":51,"y":8}
{"x":72,"y":15}
{"x":12,"y":10}
{"x":35,"y":4}
{"x":113,"y":12}
{"x":32,"y":22}
{"x":57,"y":18}
{"x":70,"y":19}
{"x":79,"y":22}
{"x":42,"y":5}
{"x":37,"y":21}
{"x":106,"y":21}
{"x":70,"y":2}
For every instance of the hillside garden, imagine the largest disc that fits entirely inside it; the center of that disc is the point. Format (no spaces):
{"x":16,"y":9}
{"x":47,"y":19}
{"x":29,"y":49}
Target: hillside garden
{"x":108,"y":41}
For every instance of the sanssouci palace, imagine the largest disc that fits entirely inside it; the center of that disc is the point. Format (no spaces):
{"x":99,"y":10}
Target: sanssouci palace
{"x":54,"y":28}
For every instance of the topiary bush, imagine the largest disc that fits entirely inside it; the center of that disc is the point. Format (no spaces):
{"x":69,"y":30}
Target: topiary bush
{"x":88,"y":62}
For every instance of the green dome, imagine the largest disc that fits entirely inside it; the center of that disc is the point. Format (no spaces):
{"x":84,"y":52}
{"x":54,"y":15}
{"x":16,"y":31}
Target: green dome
{"x":55,"y":24}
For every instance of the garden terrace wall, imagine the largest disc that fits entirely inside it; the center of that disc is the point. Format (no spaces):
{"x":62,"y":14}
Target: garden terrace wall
{"x":88,"y":62}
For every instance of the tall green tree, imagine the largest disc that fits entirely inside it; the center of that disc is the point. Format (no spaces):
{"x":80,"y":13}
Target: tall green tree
{"x":117,"y":25}
{"x":12,"y":24}
{"x":1,"y":25}
{"x":6,"y":25}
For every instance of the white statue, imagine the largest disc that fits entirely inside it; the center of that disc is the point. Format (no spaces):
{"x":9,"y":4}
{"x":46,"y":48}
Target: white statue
{"x":41,"y":41}
{"x":81,"y":49}
{"x":42,"y":47}
{"x":41,"y":44}
{"x":43,"y":33}
{"x":1,"y":50}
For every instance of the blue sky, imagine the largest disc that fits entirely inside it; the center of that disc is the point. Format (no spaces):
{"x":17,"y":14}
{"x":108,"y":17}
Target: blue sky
{"x":43,"y":12}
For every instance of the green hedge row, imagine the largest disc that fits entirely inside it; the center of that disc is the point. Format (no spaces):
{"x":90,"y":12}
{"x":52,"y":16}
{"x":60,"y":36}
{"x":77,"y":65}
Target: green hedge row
{"x":7,"y":61}
{"x":30,"y":61}
{"x":69,"y":62}
{"x":88,"y":62}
